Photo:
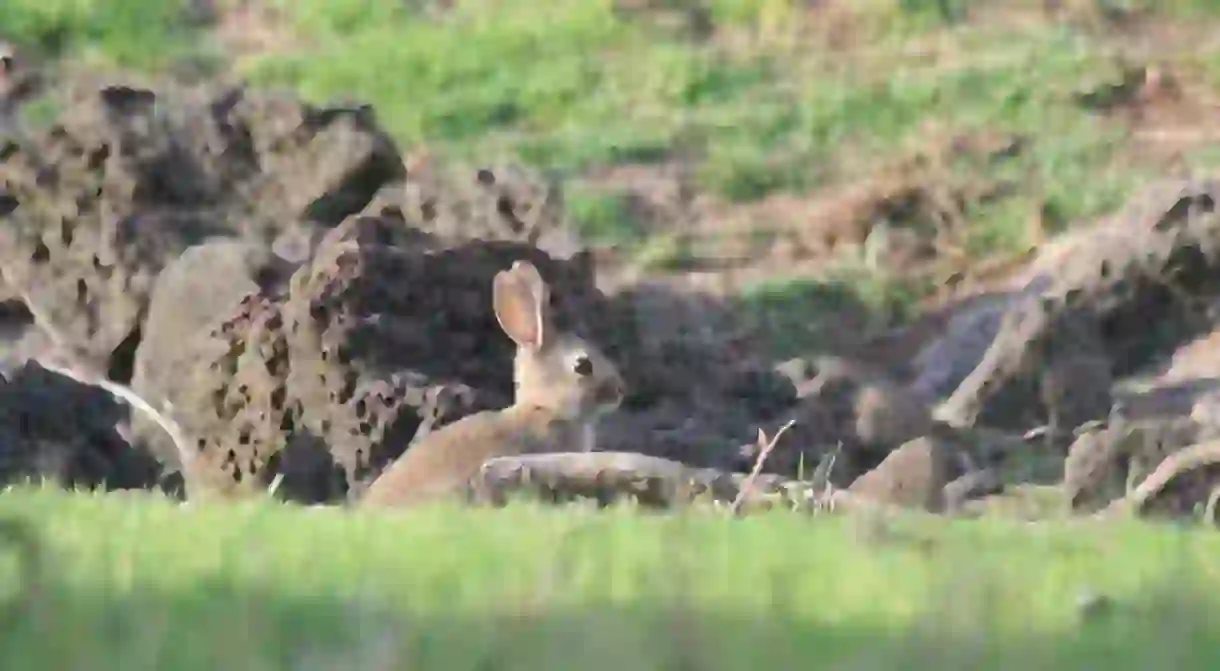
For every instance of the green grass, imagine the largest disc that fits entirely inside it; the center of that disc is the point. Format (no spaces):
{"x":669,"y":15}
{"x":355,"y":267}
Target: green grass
{"x":603,"y":218}
{"x":569,"y":86}
{"x":148,"y":585}
{"x":141,"y":34}
{"x":573,"y":86}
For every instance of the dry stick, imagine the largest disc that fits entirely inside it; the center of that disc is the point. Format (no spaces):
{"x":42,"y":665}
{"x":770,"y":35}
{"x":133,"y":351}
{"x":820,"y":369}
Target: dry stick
{"x":127,"y":395}
{"x":656,"y":481}
{"x":1182,"y":461}
{"x":764,"y":448}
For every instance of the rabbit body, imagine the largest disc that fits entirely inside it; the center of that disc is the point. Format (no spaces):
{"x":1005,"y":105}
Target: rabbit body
{"x":448,"y":458}
{"x":563,"y":385}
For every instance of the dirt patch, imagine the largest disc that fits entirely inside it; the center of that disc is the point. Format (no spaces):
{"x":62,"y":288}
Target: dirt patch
{"x":1169,"y":109}
{"x":919,"y":199}
{"x":252,"y":29}
{"x":907,"y":218}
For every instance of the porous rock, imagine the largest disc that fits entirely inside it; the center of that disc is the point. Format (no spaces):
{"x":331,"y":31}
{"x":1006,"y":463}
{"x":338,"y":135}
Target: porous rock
{"x":193,"y":294}
{"x":97,"y":205}
{"x":233,"y":402}
{"x":386,"y":327}
{"x":912,"y":476}
{"x":1092,"y":293}
{"x":385,"y":330}
{"x":128,"y":178}
{"x":315,"y":164}
{"x":497,"y":202}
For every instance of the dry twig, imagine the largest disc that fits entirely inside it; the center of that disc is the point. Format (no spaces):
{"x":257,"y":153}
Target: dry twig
{"x":127,"y":395}
{"x":764,"y":448}
{"x":1182,"y":461}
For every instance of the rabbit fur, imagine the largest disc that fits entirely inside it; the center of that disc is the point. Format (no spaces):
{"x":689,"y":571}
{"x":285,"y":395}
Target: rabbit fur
{"x":562,"y":386}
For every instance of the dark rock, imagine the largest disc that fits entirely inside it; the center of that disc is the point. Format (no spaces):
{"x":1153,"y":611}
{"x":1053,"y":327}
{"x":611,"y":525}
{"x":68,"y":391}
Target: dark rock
{"x":57,"y":429}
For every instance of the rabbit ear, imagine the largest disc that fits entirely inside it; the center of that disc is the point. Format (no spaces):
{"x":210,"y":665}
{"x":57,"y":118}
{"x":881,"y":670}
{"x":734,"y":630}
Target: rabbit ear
{"x":520,"y":298}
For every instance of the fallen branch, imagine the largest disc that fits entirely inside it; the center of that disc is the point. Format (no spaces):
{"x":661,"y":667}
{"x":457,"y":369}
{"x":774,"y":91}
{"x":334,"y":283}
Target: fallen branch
{"x":653,"y":482}
{"x":1178,"y":463}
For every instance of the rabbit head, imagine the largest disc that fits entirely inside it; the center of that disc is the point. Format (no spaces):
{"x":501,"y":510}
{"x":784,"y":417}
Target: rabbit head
{"x":553,"y":369}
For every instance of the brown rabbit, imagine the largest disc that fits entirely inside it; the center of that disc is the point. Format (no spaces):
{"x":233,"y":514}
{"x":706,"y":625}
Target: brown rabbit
{"x":563,"y":385}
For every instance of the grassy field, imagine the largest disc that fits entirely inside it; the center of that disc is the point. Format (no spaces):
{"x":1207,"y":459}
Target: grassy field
{"x":157,"y":586}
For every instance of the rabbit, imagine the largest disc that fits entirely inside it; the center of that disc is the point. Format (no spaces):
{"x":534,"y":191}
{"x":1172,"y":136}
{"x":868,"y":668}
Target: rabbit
{"x":562,"y":386}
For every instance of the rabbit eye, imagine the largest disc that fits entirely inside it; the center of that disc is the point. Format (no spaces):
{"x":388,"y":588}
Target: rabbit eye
{"x":583,"y":366}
